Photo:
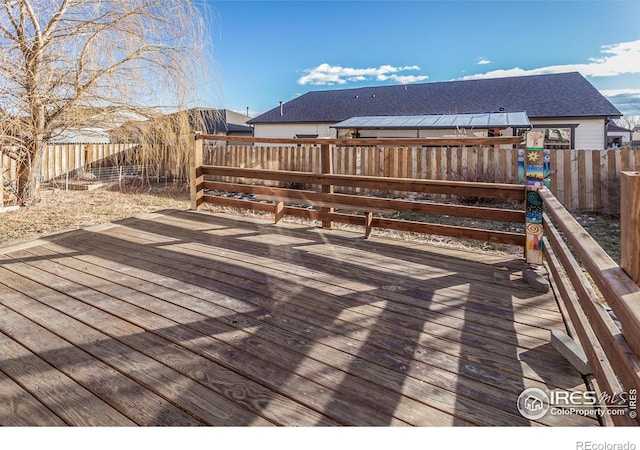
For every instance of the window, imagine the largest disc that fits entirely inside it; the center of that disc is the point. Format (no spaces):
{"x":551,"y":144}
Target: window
{"x":562,"y":137}
{"x":348,"y":133}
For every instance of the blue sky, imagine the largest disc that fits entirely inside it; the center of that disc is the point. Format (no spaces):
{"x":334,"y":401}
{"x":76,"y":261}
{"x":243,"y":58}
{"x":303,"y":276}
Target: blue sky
{"x":270,"y":51}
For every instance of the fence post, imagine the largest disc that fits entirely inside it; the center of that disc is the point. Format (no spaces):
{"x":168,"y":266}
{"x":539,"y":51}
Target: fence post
{"x":326,"y":167}
{"x":534,"y":170}
{"x":630,"y":224}
{"x":1,"y":180}
{"x":195,"y":173}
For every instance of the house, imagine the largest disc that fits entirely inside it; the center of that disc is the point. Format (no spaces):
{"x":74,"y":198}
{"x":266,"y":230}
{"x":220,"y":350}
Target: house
{"x":435,"y":125}
{"x":204,"y":120}
{"x":219,"y":121}
{"x":617,"y":136}
{"x":573,"y":113}
{"x":80,"y":135}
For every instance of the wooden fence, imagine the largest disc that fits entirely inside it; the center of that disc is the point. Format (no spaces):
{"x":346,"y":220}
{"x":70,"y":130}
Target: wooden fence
{"x":579,"y":179}
{"x":66,"y":160}
{"x":60,"y":159}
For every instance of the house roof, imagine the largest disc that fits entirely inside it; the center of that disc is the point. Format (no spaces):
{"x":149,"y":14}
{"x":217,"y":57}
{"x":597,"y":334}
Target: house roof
{"x":439,"y":121}
{"x":612,"y":127}
{"x":219,"y":121}
{"x":541,"y":96}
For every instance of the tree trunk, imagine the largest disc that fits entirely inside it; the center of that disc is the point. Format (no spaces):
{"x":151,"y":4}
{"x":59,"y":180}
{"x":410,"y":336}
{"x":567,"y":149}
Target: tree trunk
{"x":28,"y":188}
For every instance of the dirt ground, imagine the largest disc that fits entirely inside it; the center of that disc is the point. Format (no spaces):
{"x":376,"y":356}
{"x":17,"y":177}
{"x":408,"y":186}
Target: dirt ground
{"x":61,"y":210}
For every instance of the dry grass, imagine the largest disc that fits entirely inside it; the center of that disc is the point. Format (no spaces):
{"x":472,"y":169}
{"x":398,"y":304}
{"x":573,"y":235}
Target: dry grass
{"x":61,"y":210}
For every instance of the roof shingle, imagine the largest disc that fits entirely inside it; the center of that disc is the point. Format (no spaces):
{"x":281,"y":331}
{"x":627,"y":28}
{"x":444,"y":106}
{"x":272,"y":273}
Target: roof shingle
{"x":553,"y":95}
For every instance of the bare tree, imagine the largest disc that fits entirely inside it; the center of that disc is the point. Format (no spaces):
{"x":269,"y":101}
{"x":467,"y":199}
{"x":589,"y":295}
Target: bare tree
{"x":74,"y":64}
{"x":629,"y":122}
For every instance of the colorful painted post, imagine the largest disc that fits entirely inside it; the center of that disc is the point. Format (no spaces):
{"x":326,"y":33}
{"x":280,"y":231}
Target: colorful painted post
{"x":546,"y":167}
{"x":534,"y":163}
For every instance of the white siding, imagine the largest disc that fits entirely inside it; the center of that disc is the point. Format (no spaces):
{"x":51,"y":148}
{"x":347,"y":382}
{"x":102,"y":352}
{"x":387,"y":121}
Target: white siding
{"x":388,"y":133}
{"x":589,"y":134}
{"x":453,"y":133}
{"x":624,"y":135}
{"x":325,"y":130}
{"x":421,"y":133}
{"x":290,"y":130}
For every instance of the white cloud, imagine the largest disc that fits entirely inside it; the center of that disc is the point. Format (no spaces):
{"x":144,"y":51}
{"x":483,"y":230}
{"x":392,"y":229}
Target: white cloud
{"x":626,"y":100}
{"x":482,"y":61}
{"x":407,"y":79}
{"x":616,"y":59}
{"x":326,"y":74}
{"x":633,"y":93}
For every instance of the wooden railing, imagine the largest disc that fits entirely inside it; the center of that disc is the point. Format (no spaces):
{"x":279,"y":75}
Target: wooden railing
{"x":318,"y":192}
{"x":586,"y":283}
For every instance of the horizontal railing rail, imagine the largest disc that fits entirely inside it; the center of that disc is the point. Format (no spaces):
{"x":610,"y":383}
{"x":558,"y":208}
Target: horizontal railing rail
{"x":459,"y":188}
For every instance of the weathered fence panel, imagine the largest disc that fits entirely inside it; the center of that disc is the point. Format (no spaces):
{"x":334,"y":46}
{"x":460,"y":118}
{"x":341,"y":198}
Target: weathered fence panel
{"x":62,"y":160}
{"x":8,"y":173}
{"x":580,"y":179}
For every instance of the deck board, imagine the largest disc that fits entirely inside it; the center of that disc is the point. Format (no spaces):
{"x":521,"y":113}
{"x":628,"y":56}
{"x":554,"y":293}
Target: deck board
{"x":183,"y":318}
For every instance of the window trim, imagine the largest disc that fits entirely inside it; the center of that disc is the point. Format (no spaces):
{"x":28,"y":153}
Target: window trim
{"x":571,"y":126}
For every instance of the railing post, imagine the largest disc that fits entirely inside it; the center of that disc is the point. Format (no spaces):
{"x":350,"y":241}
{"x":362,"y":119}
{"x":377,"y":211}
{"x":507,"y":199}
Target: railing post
{"x":630,"y":224}
{"x":326,"y":167}
{"x":195,"y":174}
{"x":534,"y":170}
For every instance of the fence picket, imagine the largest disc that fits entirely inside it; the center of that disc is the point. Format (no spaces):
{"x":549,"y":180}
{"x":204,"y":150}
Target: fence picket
{"x":597,"y":180}
{"x":582,"y":181}
{"x":586,"y":197}
{"x":1,"y":180}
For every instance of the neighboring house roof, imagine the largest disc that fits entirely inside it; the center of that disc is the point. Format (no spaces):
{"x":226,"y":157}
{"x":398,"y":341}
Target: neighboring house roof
{"x":541,"y":96}
{"x":81,"y":135}
{"x":222,"y":121}
{"x":613,"y":128}
{"x":439,"y":121}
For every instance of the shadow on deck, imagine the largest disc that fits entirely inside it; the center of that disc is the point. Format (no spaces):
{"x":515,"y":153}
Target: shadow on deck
{"x":190,"y":318}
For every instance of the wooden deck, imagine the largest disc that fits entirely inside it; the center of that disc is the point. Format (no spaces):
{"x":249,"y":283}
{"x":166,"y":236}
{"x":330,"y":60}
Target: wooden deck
{"x":190,"y":318}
